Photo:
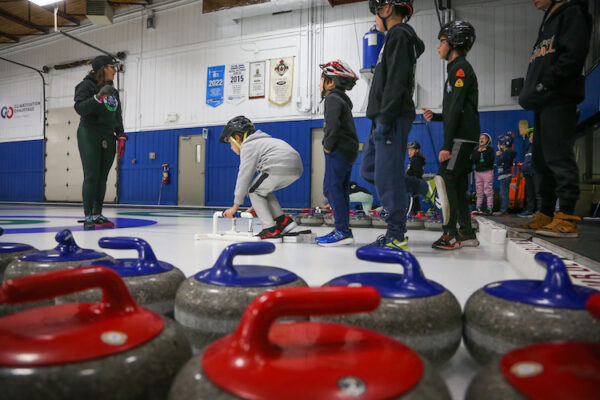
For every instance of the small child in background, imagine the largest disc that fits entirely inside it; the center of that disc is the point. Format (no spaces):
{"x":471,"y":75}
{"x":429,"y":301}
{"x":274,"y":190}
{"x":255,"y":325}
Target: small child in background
{"x":527,"y":169}
{"x":504,"y":163}
{"x":416,"y":167}
{"x":359,"y":194}
{"x":278,"y":165}
{"x":483,"y":159}
{"x":340,"y":145}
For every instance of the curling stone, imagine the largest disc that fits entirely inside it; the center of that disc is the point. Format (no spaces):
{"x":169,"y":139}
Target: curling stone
{"x":509,"y":314}
{"x":11,"y":251}
{"x":113,"y":349}
{"x":152,"y":283}
{"x":307,"y":360}
{"x":65,"y":255}
{"x":378,"y":220}
{"x":433,"y":224}
{"x":414,"y":310}
{"x":210,"y":304}
{"x":415,"y":223}
{"x":548,"y":371}
{"x":329,"y":219}
{"x":358,"y":219}
{"x":310,"y":217}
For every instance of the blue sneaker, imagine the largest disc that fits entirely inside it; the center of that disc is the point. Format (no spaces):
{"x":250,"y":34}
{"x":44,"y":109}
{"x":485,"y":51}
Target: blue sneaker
{"x":336,"y":238}
{"x":525,"y":214}
{"x":390,"y":243}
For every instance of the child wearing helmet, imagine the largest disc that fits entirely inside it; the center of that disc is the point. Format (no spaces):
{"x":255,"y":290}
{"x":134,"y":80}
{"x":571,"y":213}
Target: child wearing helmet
{"x":392,"y":112}
{"x":276,"y":164}
{"x":461,"y":133}
{"x":483,"y":159}
{"x":528,"y":174}
{"x":504,"y":163}
{"x":340,"y":145}
{"x":415,"y":169}
{"x":553,"y":87}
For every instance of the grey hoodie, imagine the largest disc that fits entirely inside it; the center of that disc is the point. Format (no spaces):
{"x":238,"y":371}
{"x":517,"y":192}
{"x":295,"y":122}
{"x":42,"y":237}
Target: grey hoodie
{"x":263,"y":153}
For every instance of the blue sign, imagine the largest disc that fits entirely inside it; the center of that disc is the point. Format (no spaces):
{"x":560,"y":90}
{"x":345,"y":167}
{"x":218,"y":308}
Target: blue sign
{"x":215,"y":83}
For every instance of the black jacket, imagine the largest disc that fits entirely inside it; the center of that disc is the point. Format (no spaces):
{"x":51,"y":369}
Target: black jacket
{"x":416,"y":165}
{"x":558,"y":57}
{"x":94,"y":115}
{"x":394,"y":79}
{"x":459,"y":107}
{"x":338,"y":125}
{"x":504,"y":163}
{"x":484,"y":160}
{"x":527,"y":166}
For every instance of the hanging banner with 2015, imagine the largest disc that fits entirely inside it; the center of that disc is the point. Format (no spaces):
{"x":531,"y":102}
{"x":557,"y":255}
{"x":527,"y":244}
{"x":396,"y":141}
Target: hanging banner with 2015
{"x":236,"y":84}
{"x":281,"y":80}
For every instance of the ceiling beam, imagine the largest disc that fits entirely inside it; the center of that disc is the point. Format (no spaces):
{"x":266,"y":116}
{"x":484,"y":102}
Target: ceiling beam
{"x":22,"y":22}
{"x":9,"y":36}
{"x":62,"y":14}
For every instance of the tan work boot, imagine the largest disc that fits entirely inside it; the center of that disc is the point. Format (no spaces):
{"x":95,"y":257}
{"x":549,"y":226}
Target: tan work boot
{"x":562,"y":225}
{"x":537,"y":222}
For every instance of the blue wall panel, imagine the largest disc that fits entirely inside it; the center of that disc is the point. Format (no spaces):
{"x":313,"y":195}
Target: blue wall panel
{"x":591,"y":104}
{"x":22,"y":171}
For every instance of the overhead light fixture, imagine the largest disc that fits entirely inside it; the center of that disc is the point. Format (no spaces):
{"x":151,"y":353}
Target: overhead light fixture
{"x":42,"y":3}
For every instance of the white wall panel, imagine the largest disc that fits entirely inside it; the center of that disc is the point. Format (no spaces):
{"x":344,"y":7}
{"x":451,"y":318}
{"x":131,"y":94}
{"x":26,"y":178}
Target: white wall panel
{"x":166,"y":66}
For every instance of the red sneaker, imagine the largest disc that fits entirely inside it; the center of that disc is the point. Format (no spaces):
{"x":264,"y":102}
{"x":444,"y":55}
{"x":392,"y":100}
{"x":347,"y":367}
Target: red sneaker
{"x":286,"y":225}
{"x":270,"y":233}
{"x":102,"y":222}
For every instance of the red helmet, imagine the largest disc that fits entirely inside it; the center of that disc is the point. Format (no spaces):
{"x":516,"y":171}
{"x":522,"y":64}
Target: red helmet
{"x":341,"y":73}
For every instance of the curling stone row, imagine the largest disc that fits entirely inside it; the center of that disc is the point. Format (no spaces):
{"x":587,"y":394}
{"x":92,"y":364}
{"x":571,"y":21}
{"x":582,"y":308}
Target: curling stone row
{"x":210,"y":304}
{"x":113,"y":349}
{"x":549,"y":371}
{"x":299,"y":360}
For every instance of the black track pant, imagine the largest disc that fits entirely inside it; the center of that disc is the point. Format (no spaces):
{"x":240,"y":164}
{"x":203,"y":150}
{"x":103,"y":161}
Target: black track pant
{"x":556,"y":173}
{"x":456,"y":177}
{"x":530,"y":193}
{"x":97,"y":151}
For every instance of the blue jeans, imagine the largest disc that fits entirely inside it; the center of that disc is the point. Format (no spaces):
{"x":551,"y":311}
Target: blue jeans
{"x":504,"y":190}
{"x":383,"y":166}
{"x":336,"y":187}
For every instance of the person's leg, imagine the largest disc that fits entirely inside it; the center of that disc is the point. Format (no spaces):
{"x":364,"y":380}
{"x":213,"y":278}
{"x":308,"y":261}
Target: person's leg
{"x":361,"y":197}
{"x":107,"y":156}
{"x":479,"y":188}
{"x":504,"y":192}
{"x":415,"y":186}
{"x":336,"y":186}
{"x":367,"y":165}
{"x":89,"y":151}
{"x":558,"y":124}
{"x":464,"y":216}
{"x":530,"y":193}
{"x":389,"y":177}
{"x":488,"y":187}
{"x":544,"y":180}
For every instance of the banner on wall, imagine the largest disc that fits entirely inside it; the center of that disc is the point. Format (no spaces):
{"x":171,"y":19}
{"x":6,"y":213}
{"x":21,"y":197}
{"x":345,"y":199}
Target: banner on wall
{"x":257,"y":80}
{"x":281,"y":80}
{"x":215,"y":79}
{"x":236,"y":85}
{"x":21,"y":118}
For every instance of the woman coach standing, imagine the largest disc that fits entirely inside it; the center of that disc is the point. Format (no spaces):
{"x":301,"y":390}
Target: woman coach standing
{"x":101,"y":125}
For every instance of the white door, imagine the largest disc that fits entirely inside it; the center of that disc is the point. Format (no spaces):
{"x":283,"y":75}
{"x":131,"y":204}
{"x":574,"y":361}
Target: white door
{"x":64,"y":172}
{"x":317,"y":169}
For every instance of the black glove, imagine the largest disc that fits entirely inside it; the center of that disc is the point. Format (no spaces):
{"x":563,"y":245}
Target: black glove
{"x":108,"y":90}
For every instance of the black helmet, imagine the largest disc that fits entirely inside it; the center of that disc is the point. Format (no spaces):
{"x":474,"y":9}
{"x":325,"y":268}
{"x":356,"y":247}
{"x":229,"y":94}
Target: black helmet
{"x":375,"y":5}
{"x":239,"y":124}
{"x":413,"y":145}
{"x":460,"y":34}
{"x":506,"y":139}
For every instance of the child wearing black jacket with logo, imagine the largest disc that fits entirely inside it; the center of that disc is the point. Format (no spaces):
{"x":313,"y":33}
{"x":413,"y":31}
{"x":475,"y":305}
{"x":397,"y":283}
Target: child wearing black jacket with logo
{"x":461,"y":132}
{"x":553,"y":87}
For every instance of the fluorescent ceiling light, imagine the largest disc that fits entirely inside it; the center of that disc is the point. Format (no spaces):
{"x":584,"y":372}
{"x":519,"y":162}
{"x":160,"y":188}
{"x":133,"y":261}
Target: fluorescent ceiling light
{"x":44,"y":2}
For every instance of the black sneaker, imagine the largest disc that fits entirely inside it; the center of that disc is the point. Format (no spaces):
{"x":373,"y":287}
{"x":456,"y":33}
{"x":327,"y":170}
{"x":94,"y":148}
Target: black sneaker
{"x":447,"y":242}
{"x":270,"y":233}
{"x":468,"y":239}
{"x":102,"y":222}
{"x":286,"y":225}
{"x":88,"y":223}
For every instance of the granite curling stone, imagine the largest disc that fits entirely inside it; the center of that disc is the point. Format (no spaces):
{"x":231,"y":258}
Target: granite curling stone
{"x":358,"y":219}
{"x":151,"y":282}
{"x":307,"y":360}
{"x":209,"y":304}
{"x":548,"y":371}
{"x":509,"y":314}
{"x":310,"y":217}
{"x":10,"y":252}
{"x":414,"y":310}
{"x":113,"y":349}
{"x":415,"y":223}
{"x":65,"y":255}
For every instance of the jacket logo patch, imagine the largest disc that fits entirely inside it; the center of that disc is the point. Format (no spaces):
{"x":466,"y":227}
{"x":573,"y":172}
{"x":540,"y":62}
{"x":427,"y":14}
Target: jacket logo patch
{"x":460,"y":73}
{"x":459,"y":83}
{"x":545,"y":47}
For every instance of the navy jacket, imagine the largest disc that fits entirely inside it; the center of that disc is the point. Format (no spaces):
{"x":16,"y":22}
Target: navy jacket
{"x":504,"y":164}
{"x":527,"y":167}
{"x":338,"y":125}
